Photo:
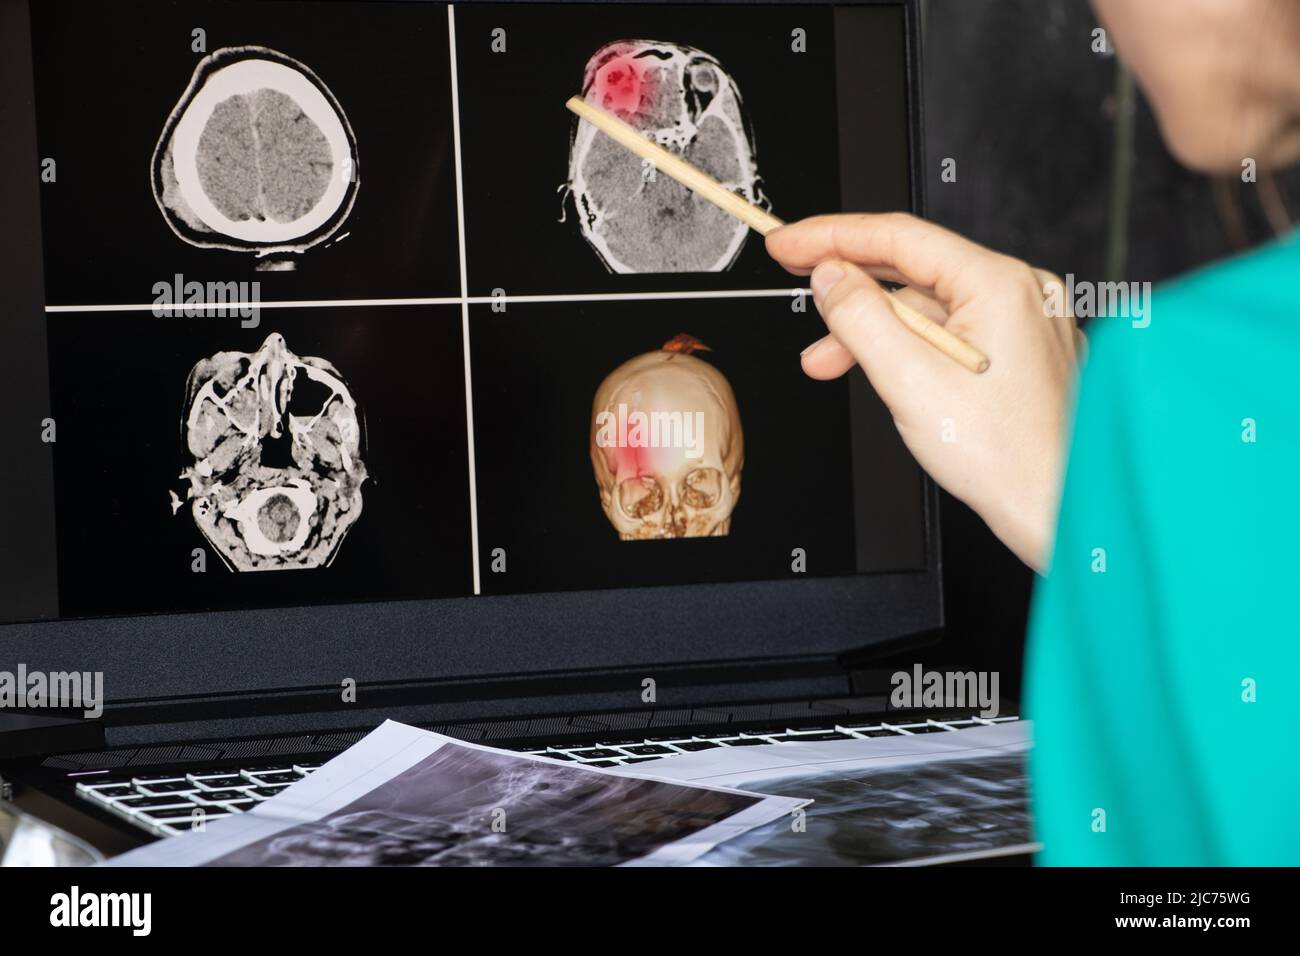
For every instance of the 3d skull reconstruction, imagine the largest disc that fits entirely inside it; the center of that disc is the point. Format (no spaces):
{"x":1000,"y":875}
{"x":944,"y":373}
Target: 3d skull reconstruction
{"x":277,"y":473}
{"x":667,"y":447}
{"x":638,"y":221}
{"x":256,"y":156}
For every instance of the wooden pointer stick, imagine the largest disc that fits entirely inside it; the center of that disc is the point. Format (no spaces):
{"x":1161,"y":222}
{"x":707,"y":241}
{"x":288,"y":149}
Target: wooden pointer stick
{"x":760,"y":220}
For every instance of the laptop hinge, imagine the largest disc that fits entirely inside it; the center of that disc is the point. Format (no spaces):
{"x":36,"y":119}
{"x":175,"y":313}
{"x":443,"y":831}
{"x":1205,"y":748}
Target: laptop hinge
{"x":31,"y":735}
{"x":869,"y":669}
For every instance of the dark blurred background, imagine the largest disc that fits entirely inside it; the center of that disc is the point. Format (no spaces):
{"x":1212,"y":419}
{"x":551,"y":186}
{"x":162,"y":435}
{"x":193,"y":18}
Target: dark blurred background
{"x":1060,"y":163}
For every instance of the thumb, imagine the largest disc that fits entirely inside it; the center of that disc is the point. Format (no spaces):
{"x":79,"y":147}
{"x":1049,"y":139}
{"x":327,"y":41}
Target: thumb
{"x":857,"y":312}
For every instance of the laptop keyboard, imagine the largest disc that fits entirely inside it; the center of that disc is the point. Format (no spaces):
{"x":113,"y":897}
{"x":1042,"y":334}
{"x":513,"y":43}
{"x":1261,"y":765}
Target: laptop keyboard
{"x":165,"y":804}
{"x":169,"y":803}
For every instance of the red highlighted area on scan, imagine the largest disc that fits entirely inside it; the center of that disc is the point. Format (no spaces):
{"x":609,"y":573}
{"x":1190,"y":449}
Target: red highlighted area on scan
{"x":634,"y":219}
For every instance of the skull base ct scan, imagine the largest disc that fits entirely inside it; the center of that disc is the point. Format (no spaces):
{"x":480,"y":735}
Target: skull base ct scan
{"x":667,"y":446}
{"x":276,"y":442}
{"x":635,"y":219}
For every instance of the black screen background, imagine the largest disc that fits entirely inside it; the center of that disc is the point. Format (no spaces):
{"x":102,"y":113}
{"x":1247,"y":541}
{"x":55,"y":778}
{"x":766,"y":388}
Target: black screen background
{"x":402,"y":243}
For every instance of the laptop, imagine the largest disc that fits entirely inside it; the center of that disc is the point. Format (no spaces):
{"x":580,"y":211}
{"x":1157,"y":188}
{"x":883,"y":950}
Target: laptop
{"x":347,"y":377}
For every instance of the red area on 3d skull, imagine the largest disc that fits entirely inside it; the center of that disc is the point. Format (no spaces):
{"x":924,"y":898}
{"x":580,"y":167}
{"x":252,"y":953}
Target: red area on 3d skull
{"x":634,"y":460}
{"x":619,"y":85}
{"x":628,"y":461}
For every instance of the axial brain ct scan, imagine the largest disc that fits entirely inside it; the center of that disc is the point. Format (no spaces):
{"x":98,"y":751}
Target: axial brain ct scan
{"x":277,"y":472}
{"x":257,"y":155}
{"x":634,"y":219}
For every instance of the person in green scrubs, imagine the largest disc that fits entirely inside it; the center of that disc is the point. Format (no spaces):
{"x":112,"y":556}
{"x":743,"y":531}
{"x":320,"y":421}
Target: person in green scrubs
{"x":1155,"y":492}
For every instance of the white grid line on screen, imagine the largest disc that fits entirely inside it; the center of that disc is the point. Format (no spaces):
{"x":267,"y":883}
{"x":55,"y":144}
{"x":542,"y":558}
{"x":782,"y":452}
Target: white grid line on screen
{"x":464,"y":298}
{"x":443,"y":300}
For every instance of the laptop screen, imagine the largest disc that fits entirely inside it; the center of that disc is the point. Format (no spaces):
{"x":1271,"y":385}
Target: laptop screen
{"x":336,"y":303}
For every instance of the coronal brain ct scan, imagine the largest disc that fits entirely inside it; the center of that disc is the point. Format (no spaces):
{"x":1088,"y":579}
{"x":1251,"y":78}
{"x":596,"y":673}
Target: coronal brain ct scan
{"x":257,"y":155}
{"x":636,"y":220}
{"x":385,"y":318}
{"x":277,"y":472}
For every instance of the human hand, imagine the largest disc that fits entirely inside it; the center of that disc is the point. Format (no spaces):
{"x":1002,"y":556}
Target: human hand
{"x":994,"y":440}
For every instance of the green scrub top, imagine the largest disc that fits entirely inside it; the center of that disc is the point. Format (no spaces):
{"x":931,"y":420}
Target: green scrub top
{"x":1163,"y":669}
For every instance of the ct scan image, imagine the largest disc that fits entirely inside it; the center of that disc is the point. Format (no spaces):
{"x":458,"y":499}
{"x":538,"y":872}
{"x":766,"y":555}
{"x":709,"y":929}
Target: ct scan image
{"x":659,"y":442}
{"x":681,"y":98}
{"x":320,"y":456}
{"x":667,"y":445}
{"x":685,"y":77}
{"x":257,"y":155}
{"x":277,"y":468}
{"x":307,"y":148}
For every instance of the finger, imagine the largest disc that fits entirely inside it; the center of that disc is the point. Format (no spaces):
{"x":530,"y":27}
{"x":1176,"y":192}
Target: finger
{"x":922,"y":302}
{"x":879,"y":273}
{"x":826,"y":359}
{"x":858,"y":314}
{"x":921,"y":253}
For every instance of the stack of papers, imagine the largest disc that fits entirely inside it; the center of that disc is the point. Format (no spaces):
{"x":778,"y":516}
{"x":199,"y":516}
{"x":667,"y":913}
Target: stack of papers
{"x":408,"y":797}
{"x":920,"y":799}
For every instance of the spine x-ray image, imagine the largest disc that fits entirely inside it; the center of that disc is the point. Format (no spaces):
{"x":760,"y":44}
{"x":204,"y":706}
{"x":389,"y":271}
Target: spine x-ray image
{"x":276,"y":477}
{"x":635,"y":219}
{"x":257,"y":155}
